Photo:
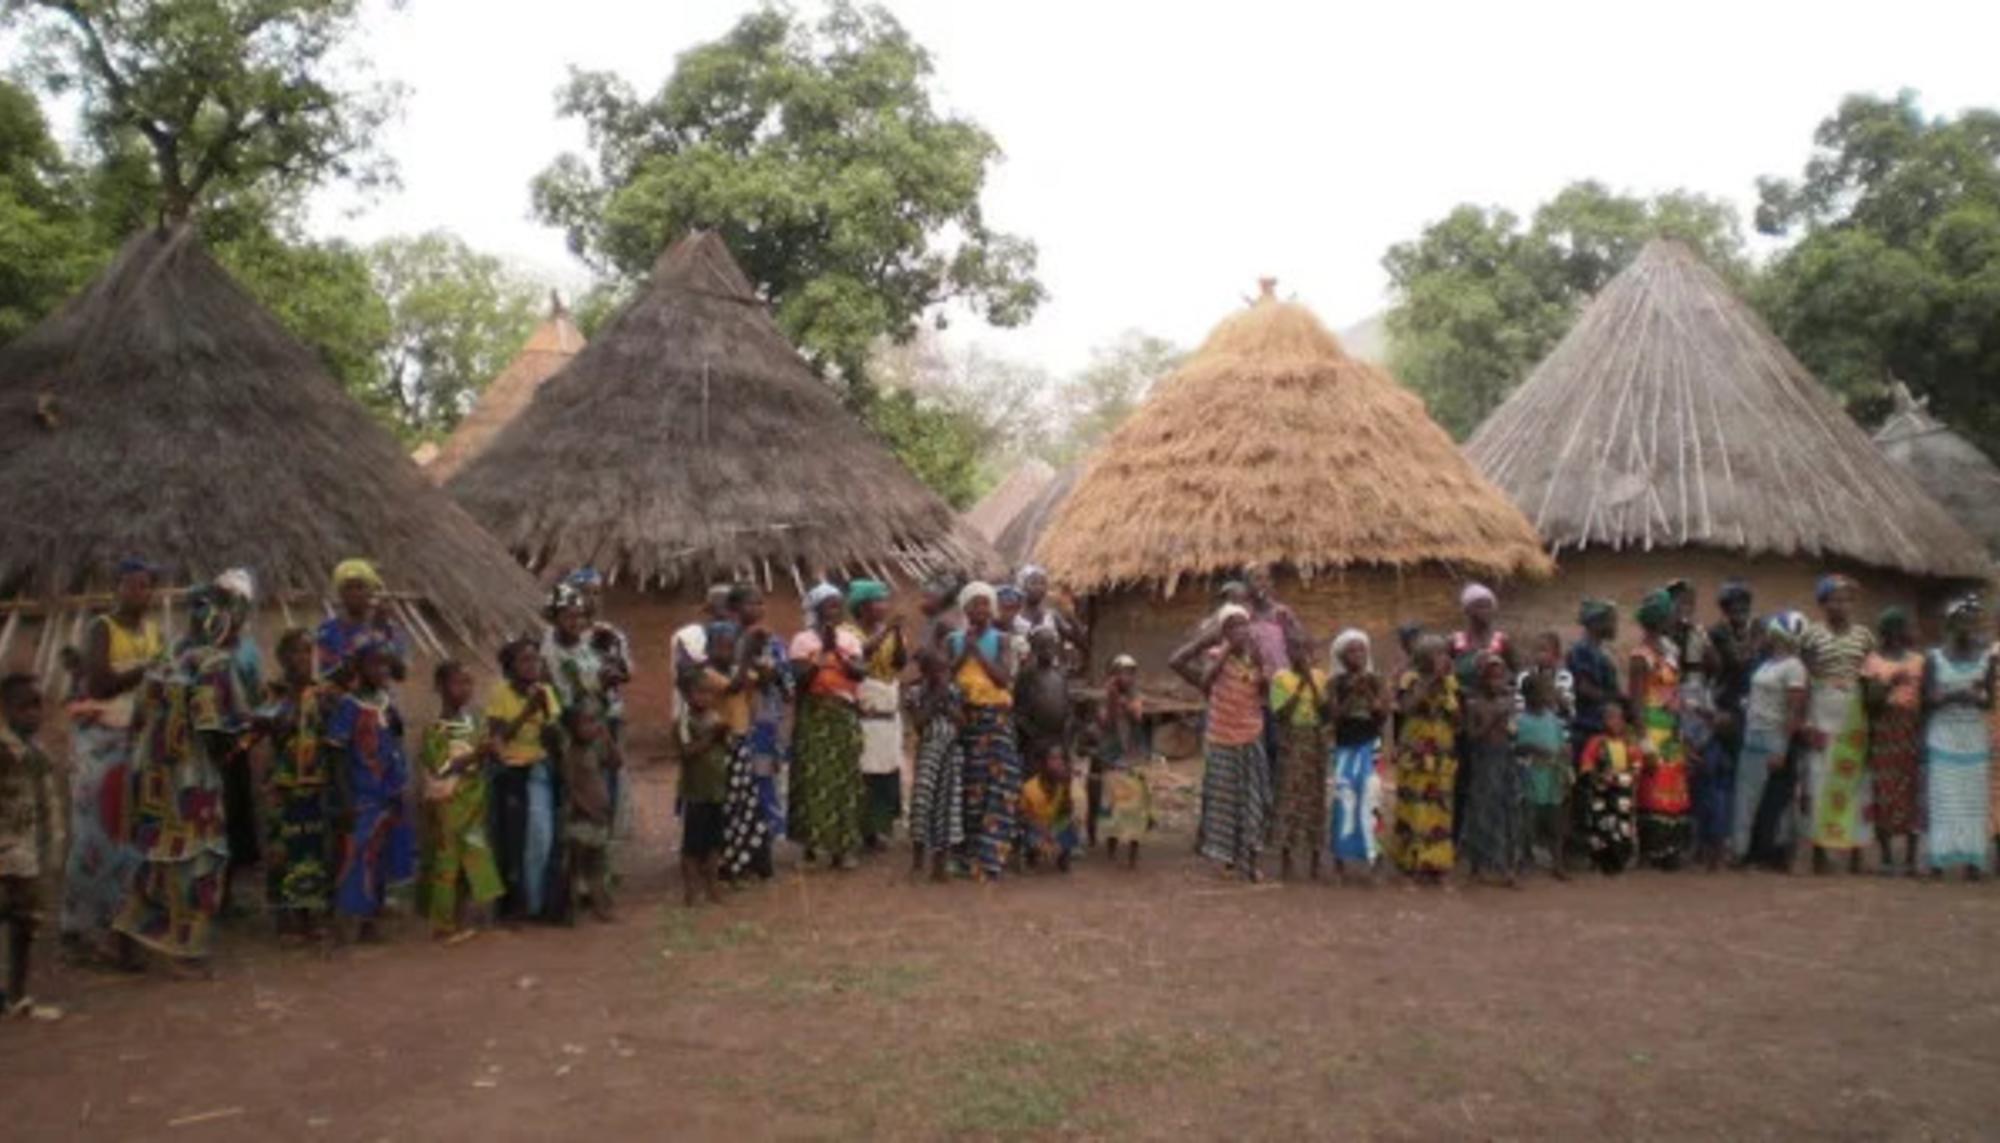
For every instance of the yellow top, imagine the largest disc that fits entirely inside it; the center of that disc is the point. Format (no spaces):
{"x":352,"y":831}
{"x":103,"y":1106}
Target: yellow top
{"x":523,"y":747}
{"x":128,"y":650}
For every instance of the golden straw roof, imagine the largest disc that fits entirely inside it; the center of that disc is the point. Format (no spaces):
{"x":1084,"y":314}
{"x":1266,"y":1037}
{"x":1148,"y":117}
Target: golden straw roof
{"x":1271,"y":444}
{"x":1671,"y":416}
{"x":547,"y":350}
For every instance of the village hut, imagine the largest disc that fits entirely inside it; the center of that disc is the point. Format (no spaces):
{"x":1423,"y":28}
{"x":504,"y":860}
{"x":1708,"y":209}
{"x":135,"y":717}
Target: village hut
{"x":1272,"y":445}
{"x":690,"y":444}
{"x":1671,"y":435}
{"x":1952,"y":469}
{"x":998,"y":508}
{"x":163,"y":413}
{"x":1023,"y":534}
{"x":550,"y":347}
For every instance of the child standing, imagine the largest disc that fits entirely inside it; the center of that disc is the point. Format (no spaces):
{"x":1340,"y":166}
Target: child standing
{"x":1607,"y":768}
{"x":589,"y":754}
{"x":299,"y":850}
{"x":1048,"y":812}
{"x":1541,"y":746}
{"x":1118,"y":799}
{"x":458,"y":854}
{"x":28,"y":836}
{"x":521,"y":724}
{"x":704,"y":785}
{"x":880,"y":700}
{"x":937,"y":815}
{"x":1493,"y":789}
{"x":1041,"y":700}
{"x":366,"y":734}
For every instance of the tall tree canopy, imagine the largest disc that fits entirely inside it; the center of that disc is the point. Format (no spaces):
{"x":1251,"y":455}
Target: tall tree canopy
{"x":1896,"y":266}
{"x":817,"y":152}
{"x":1482,"y":298}
{"x":47,"y":246}
{"x":456,"y":317}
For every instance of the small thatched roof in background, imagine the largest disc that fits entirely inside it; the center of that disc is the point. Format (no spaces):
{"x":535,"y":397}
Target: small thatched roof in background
{"x":550,"y":347}
{"x":690,"y":442}
{"x":1946,"y":465}
{"x":1271,"y":444}
{"x":998,"y":508}
{"x":163,"y":413}
{"x":1672,"y":416}
{"x":1023,"y":534}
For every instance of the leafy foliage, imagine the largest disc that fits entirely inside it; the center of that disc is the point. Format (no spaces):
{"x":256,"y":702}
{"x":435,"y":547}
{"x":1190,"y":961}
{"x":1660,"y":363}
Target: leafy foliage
{"x":456,"y":317}
{"x":816,"y":151}
{"x":1481,"y":298}
{"x":1100,"y":398}
{"x":47,"y":247}
{"x":1896,"y":270}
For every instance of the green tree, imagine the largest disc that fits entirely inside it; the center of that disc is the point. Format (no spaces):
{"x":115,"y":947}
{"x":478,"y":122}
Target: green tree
{"x":1104,"y":393}
{"x":816,"y":151}
{"x":1480,"y":298}
{"x":1896,"y":268}
{"x":957,"y":417}
{"x":938,"y":443}
{"x":456,"y":318}
{"x":47,"y":246}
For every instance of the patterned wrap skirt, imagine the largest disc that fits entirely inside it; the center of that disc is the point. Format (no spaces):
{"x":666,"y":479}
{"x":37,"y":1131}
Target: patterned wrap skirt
{"x":1493,"y":807}
{"x":991,"y":785}
{"x":1838,"y":775}
{"x":298,"y":850}
{"x":1301,"y":817}
{"x":1609,"y":801}
{"x":1957,"y":788}
{"x":746,"y":827}
{"x":826,"y":776}
{"x":458,"y":851}
{"x":101,"y":859}
{"x":1235,"y":803}
{"x":1357,"y":799}
{"x":937,"y":795}
{"x":1895,"y":770}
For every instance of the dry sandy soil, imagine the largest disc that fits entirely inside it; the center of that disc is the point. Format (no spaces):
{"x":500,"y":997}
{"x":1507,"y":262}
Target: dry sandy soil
{"x":1157,"y":1004}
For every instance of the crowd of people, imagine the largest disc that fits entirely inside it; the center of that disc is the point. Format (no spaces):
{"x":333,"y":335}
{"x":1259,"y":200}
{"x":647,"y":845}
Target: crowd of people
{"x":1739,"y":743}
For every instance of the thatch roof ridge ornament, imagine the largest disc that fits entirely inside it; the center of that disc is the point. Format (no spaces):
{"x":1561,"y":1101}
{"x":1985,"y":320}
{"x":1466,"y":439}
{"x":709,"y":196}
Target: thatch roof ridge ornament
{"x":195,"y":431}
{"x":689,"y":439}
{"x":1271,"y":444}
{"x":1670,"y":415}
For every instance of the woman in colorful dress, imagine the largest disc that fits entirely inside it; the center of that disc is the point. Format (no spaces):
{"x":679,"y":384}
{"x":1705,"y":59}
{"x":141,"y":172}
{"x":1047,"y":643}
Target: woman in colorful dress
{"x":1481,"y":635}
{"x":365,"y":734}
{"x":1493,"y":802}
{"x":360,"y":618}
{"x":937,"y":791}
{"x":1606,"y":768}
{"x":826,"y":745}
{"x":1764,"y":820}
{"x":299,"y":794}
{"x":1360,"y":709}
{"x":1892,"y":684}
{"x":1655,"y":680}
{"x":569,"y":663}
{"x":982,"y":665}
{"x":1836,"y":770}
{"x":1958,"y":693}
{"x":459,"y":868}
{"x":192,"y":715}
{"x":120,"y":646}
{"x":1426,"y":763}
{"x":1299,"y":704}
{"x":754,"y":815}
{"x":1236,"y":778}
{"x":881,"y":703}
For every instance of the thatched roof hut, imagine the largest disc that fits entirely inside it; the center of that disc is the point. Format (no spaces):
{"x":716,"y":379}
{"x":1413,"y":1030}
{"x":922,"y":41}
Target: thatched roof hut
{"x":550,"y":347}
{"x":164,"y":413}
{"x":998,"y":508}
{"x":1023,"y":534}
{"x":1946,"y":465}
{"x":1671,"y":419}
{"x":1271,"y":445}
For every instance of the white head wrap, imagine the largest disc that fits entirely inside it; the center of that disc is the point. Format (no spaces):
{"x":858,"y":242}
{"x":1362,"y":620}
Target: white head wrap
{"x":1124,"y":663}
{"x":1475,"y":593}
{"x":1229,"y":611}
{"x":239,"y":583}
{"x":820,"y":594}
{"x":1346,"y":639}
{"x":978,"y":589}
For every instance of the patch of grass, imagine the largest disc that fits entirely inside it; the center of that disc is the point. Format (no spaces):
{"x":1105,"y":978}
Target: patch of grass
{"x":681,"y":934}
{"x":1031,"y":1086}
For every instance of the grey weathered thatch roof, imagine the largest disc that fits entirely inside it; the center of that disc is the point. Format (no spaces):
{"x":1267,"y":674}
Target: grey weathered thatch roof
{"x":691,"y":442}
{"x":550,"y":347}
{"x":1023,"y":534}
{"x":1672,"y":416}
{"x":1946,"y":465}
{"x":998,"y":508}
{"x":164,"y":413}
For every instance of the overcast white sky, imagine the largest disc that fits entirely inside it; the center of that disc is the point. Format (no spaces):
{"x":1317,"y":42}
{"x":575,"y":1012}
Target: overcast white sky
{"x":1165,"y":155}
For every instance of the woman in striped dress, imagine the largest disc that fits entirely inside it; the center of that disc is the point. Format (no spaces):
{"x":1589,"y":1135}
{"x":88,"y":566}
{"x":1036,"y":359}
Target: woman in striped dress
{"x":1958,"y":691}
{"x":1837,"y":768}
{"x":1236,"y":777}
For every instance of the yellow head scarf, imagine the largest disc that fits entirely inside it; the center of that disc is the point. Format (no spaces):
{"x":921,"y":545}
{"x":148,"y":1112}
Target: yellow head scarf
{"x":357,"y":568}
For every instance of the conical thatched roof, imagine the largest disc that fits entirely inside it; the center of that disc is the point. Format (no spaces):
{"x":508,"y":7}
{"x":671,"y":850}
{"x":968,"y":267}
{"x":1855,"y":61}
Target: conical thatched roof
{"x":691,"y":441}
{"x":164,"y":413}
{"x":1271,"y":444}
{"x":1023,"y":534}
{"x":548,"y":349}
{"x":1946,"y":465}
{"x":1671,"y":415}
{"x":998,"y":508}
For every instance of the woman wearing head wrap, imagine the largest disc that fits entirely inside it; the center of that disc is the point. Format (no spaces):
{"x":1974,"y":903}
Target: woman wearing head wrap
{"x":1892,"y":686}
{"x":119,"y":647}
{"x":1763,"y":814}
{"x":358,"y":618}
{"x":365,"y":734}
{"x":1360,"y":709}
{"x":1298,"y":702}
{"x":1479,"y":636}
{"x":220,"y":615}
{"x":1236,"y":779}
{"x":983,"y":661}
{"x":1958,"y":692}
{"x":1426,"y":763}
{"x":1655,"y":681}
{"x":191,"y":716}
{"x":826,"y":789}
{"x":1836,"y":769}
{"x":881,"y":704}
{"x":569,"y":662}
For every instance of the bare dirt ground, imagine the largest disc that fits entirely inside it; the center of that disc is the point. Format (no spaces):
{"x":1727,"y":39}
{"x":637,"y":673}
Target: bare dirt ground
{"x":1157,"y":1004}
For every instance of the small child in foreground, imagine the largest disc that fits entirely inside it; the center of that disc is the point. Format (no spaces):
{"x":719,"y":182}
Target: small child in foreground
{"x":589,"y":754}
{"x":1608,"y":767}
{"x":704,"y":784}
{"x":1119,"y":801}
{"x":1541,"y":745}
{"x":458,"y":851}
{"x":29,"y":841}
{"x":1048,"y":812}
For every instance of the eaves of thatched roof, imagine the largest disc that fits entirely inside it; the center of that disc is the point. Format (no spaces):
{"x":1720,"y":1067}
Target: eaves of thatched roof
{"x":998,"y":508}
{"x":550,"y":347}
{"x":690,"y":441}
{"x":1019,"y":541}
{"x":1671,"y":416}
{"x":163,"y":413}
{"x":1270,"y":444}
{"x":1952,"y":469}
